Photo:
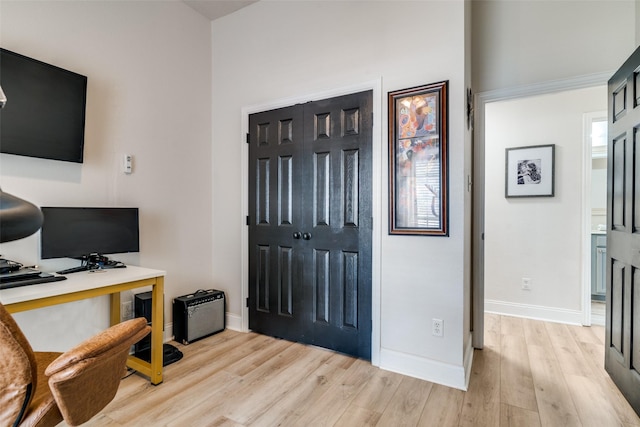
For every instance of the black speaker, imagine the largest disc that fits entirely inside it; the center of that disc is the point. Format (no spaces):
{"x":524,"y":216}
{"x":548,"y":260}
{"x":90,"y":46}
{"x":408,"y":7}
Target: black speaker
{"x":198,"y":315}
{"x":142,"y":305}
{"x":142,"y":308}
{"x":142,"y":349}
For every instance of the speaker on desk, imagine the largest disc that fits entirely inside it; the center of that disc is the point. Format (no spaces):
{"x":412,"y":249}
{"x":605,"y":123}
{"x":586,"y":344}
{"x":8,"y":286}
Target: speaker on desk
{"x":142,"y":306}
{"x":198,"y":315}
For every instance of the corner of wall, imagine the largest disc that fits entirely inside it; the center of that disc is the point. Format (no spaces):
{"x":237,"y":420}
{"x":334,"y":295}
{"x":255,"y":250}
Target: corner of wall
{"x":468,"y":360}
{"x":447,"y":374}
{"x":234,"y":322}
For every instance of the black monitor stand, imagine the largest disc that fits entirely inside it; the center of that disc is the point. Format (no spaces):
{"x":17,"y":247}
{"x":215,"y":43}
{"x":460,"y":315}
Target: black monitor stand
{"x":93,"y":262}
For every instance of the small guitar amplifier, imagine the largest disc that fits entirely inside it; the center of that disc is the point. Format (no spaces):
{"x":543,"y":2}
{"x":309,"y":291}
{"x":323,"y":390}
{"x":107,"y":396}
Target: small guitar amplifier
{"x":198,"y":315}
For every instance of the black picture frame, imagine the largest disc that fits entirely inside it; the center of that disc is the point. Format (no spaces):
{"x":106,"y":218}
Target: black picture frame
{"x":530,"y":171}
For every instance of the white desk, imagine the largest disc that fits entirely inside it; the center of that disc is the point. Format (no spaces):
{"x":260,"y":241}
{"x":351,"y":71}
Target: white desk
{"x":84,"y":285}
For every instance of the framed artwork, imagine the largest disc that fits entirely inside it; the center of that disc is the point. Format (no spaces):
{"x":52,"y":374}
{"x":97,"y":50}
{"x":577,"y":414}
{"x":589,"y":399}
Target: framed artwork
{"x":529,"y":171}
{"x":418,"y":175}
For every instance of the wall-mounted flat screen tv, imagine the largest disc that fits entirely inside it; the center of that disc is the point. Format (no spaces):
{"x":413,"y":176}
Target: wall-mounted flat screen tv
{"x":45,"y":111}
{"x":75,"y":232}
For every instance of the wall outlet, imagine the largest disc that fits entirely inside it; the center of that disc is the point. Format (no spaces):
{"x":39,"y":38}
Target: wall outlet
{"x":526,"y":283}
{"x":126,"y":311}
{"x":437,"y":327}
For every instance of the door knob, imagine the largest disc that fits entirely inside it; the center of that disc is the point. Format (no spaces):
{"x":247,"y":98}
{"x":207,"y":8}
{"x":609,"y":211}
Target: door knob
{"x":296,"y":235}
{"x":306,"y":236}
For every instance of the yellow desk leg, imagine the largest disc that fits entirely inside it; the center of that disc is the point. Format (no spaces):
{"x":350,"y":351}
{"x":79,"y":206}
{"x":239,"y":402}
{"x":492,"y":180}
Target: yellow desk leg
{"x":115,"y":308}
{"x":157,"y":316}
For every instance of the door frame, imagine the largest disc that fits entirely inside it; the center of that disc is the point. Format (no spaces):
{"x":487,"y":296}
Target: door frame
{"x":376,"y":202}
{"x":480,"y":101}
{"x":587,"y":158}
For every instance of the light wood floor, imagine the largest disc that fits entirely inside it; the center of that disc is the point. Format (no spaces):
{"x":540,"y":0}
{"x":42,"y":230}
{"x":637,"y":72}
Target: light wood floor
{"x":530,"y":373}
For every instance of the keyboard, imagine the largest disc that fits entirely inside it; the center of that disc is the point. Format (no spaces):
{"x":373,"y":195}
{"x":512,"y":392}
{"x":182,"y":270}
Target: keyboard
{"x":22,"y":273}
{"x":31,"y":280}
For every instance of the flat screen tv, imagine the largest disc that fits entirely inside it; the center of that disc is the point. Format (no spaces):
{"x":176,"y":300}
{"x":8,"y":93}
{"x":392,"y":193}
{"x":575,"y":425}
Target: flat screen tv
{"x":74,"y":232}
{"x":45,"y":111}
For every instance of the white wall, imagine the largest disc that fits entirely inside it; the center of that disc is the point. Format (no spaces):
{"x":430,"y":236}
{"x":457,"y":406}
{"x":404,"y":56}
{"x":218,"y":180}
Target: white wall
{"x":274,"y":50}
{"x":518,"y":43}
{"x":149,"y":95}
{"x":537,"y":238}
{"x":468,"y":324}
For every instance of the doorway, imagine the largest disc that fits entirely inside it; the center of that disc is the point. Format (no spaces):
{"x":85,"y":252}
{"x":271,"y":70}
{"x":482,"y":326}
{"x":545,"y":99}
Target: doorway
{"x":513,"y":299}
{"x":310,"y":223}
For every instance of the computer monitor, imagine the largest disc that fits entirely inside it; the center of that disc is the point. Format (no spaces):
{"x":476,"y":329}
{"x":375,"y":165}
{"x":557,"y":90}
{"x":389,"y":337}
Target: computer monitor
{"x":77,"y":232}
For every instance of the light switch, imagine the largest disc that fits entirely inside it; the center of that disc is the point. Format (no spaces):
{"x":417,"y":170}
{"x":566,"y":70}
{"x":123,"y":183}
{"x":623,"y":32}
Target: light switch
{"x":127,"y":163}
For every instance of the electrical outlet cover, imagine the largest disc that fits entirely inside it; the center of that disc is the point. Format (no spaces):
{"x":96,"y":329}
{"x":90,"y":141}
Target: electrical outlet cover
{"x":437,"y":328}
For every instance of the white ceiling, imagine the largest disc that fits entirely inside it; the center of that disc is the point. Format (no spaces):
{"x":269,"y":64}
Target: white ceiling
{"x":214,"y":9}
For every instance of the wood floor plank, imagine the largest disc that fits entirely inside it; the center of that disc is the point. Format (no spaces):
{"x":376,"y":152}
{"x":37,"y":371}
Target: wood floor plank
{"x":555,"y":405}
{"x":510,"y":325}
{"x":535,"y":333}
{"x":567,"y":352}
{"x":443,"y":407}
{"x":329,"y":407}
{"x":512,"y":416}
{"x":357,"y":416}
{"x":586,"y":359}
{"x":590,"y":334}
{"x":163,"y":408}
{"x":222,"y":422}
{"x":234,"y":379}
{"x":594,"y":355}
{"x":516,"y":381}
{"x":407,"y":403}
{"x":378,"y":391}
{"x":593,"y":407}
{"x":101,"y":420}
{"x":252,"y":361}
{"x":492,"y":330}
{"x":599,"y":332}
{"x":159,"y":402}
{"x":293,"y":405}
{"x":247,"y":387}
{"x":255,"y":400}
{"x":203,"y":379}
{"x":481,"y":405}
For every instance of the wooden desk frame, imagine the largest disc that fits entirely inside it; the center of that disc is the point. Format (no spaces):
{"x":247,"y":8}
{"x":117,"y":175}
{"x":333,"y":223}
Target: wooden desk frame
{"x":153,"y":369}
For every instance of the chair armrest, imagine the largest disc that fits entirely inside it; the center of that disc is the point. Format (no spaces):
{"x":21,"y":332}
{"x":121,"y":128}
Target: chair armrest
{"x":85,"y":379}
{"x":104,"y":342}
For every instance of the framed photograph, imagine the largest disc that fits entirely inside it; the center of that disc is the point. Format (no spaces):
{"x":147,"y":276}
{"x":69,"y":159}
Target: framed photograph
{"x":529,"y":171}
{"x":418,"y":175}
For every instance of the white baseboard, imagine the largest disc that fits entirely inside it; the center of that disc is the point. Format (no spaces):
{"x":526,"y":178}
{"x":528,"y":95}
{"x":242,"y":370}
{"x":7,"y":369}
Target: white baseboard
{"x":538,"y":312}
{"x":167,"y":334}
{"x":234,"y":322}
{"x":425,"y":369}
{"x":468,"y":361}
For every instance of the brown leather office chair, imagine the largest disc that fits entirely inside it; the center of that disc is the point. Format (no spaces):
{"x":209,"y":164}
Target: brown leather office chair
{"x":81,"y":381}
